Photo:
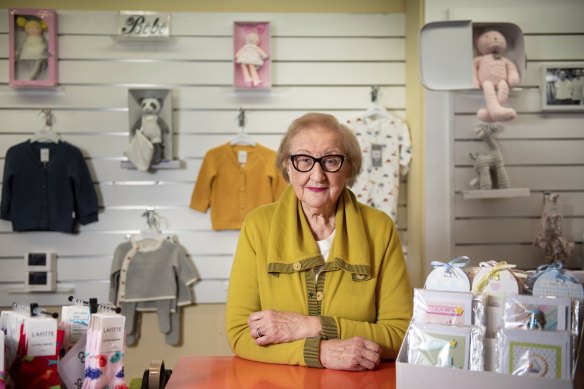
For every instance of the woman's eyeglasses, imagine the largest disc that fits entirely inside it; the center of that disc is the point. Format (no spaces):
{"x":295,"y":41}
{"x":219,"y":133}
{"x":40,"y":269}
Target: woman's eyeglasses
{"x":329,"y":163}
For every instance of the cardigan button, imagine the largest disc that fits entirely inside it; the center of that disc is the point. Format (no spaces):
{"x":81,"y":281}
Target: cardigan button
{"x":319,"y":296}
{"x":296,"y":266}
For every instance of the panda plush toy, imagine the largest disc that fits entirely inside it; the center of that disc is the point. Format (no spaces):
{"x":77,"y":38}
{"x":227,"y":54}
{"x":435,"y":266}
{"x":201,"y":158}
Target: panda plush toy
{"x":151,"y":126}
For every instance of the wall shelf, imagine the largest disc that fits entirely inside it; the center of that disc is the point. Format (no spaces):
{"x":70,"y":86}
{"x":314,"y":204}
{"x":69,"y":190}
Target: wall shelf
{"x":495,"y":193}
{"x":173,"y":164}
{"x":24,"y":290}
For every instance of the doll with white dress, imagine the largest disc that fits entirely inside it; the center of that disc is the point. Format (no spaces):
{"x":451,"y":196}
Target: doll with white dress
{"x":251,"y":57}
{"x":33,"y":53}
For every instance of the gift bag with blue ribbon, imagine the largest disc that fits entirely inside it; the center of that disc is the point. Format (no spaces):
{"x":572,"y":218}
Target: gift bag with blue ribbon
{"x":554,"y":280}
{"x":449,"y":276}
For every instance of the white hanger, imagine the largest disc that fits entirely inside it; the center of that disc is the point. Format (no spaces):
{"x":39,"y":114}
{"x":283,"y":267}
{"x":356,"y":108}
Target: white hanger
{"x":242,"y":138}
{"x":152,"y":230}
{"x":46,"y":134}
{"x":376,"y":109}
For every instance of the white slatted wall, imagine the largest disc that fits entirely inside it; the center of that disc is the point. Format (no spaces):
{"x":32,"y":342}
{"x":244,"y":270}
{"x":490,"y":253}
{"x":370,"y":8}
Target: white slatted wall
{"x":321,"y":62}
{"x":543,"y":151}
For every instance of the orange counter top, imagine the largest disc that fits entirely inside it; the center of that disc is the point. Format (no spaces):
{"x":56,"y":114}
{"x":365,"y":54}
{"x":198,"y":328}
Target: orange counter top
{"x":234,"y":372}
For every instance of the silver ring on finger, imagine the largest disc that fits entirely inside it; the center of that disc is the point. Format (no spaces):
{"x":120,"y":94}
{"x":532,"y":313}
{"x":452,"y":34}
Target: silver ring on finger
{"x":258,"y":333}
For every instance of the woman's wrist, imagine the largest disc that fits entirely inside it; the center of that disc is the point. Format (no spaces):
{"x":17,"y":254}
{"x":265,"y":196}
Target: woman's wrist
{"x":313,"y":327}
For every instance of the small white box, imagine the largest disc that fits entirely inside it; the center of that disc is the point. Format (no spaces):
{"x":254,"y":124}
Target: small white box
{"x":40,"y":261}
{"x":41,"y":281}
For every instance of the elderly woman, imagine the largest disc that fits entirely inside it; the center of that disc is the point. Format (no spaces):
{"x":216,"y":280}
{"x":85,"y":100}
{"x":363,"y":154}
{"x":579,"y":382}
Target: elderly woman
{"x":318,"y":279}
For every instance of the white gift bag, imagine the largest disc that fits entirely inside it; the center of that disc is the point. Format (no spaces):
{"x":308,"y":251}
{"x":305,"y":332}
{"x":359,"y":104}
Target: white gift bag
{"x":449,"y":276}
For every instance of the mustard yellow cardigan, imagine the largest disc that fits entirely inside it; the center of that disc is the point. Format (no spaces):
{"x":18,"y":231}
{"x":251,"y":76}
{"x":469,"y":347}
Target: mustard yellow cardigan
{"x":363,"y":289}
{"x":232,"y":189}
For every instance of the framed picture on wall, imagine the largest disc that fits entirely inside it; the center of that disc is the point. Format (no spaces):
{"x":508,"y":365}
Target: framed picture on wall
{"x":562,"y":87}
{"x":33,"y":47}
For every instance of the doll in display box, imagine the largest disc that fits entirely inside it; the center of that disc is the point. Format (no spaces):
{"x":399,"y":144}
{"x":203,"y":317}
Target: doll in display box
{"x":33,"y":53}
{"x":251,"y":57}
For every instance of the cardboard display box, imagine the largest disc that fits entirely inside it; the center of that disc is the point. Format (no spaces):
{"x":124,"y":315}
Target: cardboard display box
{"x":416,"y":376}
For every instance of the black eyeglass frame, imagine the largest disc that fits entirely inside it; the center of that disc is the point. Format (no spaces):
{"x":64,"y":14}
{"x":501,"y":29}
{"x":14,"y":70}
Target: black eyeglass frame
{"x":319,"y":161}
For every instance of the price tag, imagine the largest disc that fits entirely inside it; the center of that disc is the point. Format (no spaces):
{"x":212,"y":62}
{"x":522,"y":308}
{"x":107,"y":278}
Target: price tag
{"x":242,"y":157}
{"x":376,"y":155}
{"x":41,"y":337}
{"x":44,"y":155}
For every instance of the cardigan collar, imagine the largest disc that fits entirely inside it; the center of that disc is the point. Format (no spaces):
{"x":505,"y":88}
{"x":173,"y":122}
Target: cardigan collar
{"x":252,"y":154}
{"x":33,"y":148}
{"x":292,"y":247}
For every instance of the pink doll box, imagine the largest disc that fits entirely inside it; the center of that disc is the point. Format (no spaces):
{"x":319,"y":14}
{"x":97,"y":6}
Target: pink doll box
{"x":252,"y":61}
{"x":33,"y":47}
{"x":447,"y":52}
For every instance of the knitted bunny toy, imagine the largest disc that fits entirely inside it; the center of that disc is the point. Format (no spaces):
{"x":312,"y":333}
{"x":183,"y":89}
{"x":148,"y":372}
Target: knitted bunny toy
{"x":494,"y":74}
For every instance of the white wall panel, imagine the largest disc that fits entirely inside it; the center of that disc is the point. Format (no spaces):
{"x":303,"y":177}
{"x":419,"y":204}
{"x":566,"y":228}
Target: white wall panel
{"x":220,"y":48}
{"x":204,"y":97}
{"x":321,"y":62}
{"x":205,"y":291}
{"x":522,"y":255}
{"x":533,"y":19}
{"x":555,"y":48}
{"x":542,"y":149}
{"x":509,"y":230}
{"x":221,"y":73}
{"x":570,"y":203}
{"x":536,"y":178}
{"x":566,"y":125}
{"x":531,"y":152}
{"x":74,"y":268}
{"x":221,"y":122}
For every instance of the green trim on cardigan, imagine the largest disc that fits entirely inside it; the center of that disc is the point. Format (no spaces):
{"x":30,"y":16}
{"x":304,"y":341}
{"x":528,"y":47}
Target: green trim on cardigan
{"x":360,"y":272}
{"x":305,"y":264}
{"x":313,"y":308}
{"x":312,"y":352}
{"x":329,"y":328}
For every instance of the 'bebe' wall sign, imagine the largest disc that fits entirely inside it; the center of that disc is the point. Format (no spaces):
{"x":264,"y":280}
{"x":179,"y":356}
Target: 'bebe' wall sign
{"x":136,"y":25}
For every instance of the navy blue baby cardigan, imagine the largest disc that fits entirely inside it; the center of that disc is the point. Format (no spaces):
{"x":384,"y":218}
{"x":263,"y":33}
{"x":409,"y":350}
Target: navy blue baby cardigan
{"x":50,"y":195}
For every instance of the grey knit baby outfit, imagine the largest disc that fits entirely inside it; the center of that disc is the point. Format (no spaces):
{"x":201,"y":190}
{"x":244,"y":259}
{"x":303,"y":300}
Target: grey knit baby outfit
{"x":152,"y":275}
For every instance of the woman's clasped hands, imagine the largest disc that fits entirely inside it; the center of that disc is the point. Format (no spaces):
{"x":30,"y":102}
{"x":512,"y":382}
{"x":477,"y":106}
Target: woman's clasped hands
{"x":272,"y":327}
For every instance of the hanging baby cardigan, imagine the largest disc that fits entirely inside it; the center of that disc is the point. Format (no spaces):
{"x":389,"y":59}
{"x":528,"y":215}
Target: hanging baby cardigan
{"x":235,"y":179}
{"x":386,"y":148}
{"x":47,"y":187}
{"x":152,"y":275}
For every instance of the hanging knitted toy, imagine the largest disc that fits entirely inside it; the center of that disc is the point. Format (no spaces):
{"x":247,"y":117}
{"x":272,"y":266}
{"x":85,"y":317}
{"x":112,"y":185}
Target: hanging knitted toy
{"x":550,"y":236}
{"x":490,"y":165}
{"x":494,"y":74}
